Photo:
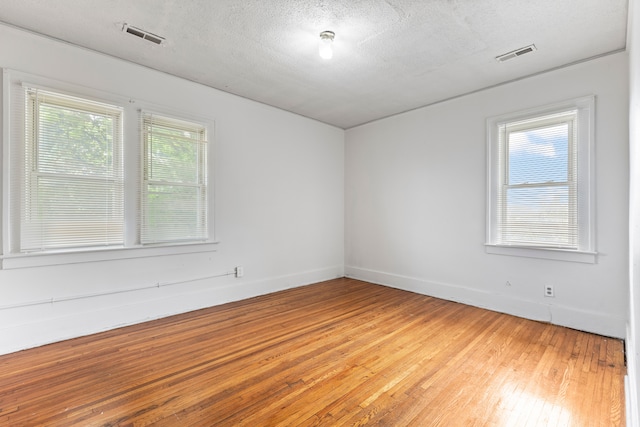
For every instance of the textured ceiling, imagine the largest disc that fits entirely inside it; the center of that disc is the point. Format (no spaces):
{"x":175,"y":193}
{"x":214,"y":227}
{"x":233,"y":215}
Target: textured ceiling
{"x":389,"y":56}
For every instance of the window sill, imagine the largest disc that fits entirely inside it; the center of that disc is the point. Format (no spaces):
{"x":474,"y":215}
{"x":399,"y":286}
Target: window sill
{"x":41,"y":259}
{"x":543,"y":253}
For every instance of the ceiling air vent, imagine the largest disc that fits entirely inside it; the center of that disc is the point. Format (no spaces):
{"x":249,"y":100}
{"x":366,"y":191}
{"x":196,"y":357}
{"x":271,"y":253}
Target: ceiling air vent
{"x":516,"y":53}
{"x":145,"y":35}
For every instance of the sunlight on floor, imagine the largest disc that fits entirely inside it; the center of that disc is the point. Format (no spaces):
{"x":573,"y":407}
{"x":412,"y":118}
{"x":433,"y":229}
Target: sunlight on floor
{"x":520,"y":408}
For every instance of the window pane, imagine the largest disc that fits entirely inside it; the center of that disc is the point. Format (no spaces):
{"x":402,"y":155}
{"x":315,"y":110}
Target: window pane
{"x":539,"y":187}
{"x":173,"y":158}
{"x":73,"y":213}
{"x":73,"y":186}
{"x":74,"y":142}
{"x":539,"y":216}
{"x":174,"y":199}
{"x":174,"y":213}
{"x":539,"y":155}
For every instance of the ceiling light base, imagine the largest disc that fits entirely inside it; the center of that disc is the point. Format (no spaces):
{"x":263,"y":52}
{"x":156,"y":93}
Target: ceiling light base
{"x":326,"y":44}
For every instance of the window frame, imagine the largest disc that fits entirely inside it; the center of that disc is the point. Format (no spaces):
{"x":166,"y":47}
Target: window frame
{"x":13,"y":139}
{"x":585,"y":208}
{"x":35,"y":98}
{"x":201,"y":181}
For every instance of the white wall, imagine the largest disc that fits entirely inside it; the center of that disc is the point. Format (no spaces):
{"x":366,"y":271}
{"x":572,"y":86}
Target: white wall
{"x":633,"y":329}
{"x":279,"y":197}
{"x":415,"y":204}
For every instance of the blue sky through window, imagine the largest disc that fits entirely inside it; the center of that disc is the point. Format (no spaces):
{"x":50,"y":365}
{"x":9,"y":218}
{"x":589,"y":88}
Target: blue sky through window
{"x":534,"y":198}
{"x":539,"y":155}
{"x":538,"y":213}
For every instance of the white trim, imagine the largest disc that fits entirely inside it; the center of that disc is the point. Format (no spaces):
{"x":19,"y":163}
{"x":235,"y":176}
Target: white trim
{"x":6,"y":138}
{"x":627,"y":402}
{"x":543,"y":253}
{"x":586,"y":251}
{"x":631,"y":381}
{"x":589,"y":321}
{"x":41,"y":259}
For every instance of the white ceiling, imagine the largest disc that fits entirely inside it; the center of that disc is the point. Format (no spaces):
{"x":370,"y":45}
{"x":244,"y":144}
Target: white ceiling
{"x":389,"y":56}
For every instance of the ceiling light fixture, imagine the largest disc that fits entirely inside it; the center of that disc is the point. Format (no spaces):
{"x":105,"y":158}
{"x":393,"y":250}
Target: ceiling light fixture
{"x":326,"y":44}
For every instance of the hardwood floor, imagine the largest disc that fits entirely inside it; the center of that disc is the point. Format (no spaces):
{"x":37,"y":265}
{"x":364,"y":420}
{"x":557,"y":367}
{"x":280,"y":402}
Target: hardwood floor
{"x":337,"y":353}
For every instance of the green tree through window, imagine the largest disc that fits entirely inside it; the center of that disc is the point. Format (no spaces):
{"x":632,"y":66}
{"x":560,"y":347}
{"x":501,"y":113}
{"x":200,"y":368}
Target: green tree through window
{"x":174,"y":201}
{"x":73,"y":181}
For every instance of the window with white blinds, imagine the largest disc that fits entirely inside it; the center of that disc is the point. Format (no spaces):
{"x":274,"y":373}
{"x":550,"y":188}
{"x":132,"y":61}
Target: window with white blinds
{"x":92,"y":175}
{"x":539,"y":194}
{"x":537,"y":202}
{"x":73,"y":178}
{"x":174,"y":190}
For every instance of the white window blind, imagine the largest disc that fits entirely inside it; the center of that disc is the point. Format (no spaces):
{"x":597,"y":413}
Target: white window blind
{"x":174,"y":189}
{"x":73,"y":174}
{"x":538,"y":189}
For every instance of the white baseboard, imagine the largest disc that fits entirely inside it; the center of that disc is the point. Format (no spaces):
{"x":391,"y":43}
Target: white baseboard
{"x":611,"y":326}
{"x":631,"y":382}
{"x":47,"y":324}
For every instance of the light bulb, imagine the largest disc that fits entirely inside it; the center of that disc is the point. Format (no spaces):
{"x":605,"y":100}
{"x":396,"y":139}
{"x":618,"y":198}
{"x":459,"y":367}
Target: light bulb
{"x":326,"y":44}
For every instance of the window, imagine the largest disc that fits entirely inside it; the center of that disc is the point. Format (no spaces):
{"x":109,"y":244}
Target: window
{"x":174,"y":194}
{"x":73,"y":178}
{"x":92,"y":176}
{"x":539,"y":188}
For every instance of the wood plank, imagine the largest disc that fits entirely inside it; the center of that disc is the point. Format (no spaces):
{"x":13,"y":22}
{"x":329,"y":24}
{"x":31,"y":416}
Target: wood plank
{"x":342,"y":352}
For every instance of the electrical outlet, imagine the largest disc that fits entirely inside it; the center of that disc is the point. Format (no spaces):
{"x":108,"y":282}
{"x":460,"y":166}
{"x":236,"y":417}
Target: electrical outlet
{"x":239,"y":271}
{"x":548,"y":291}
